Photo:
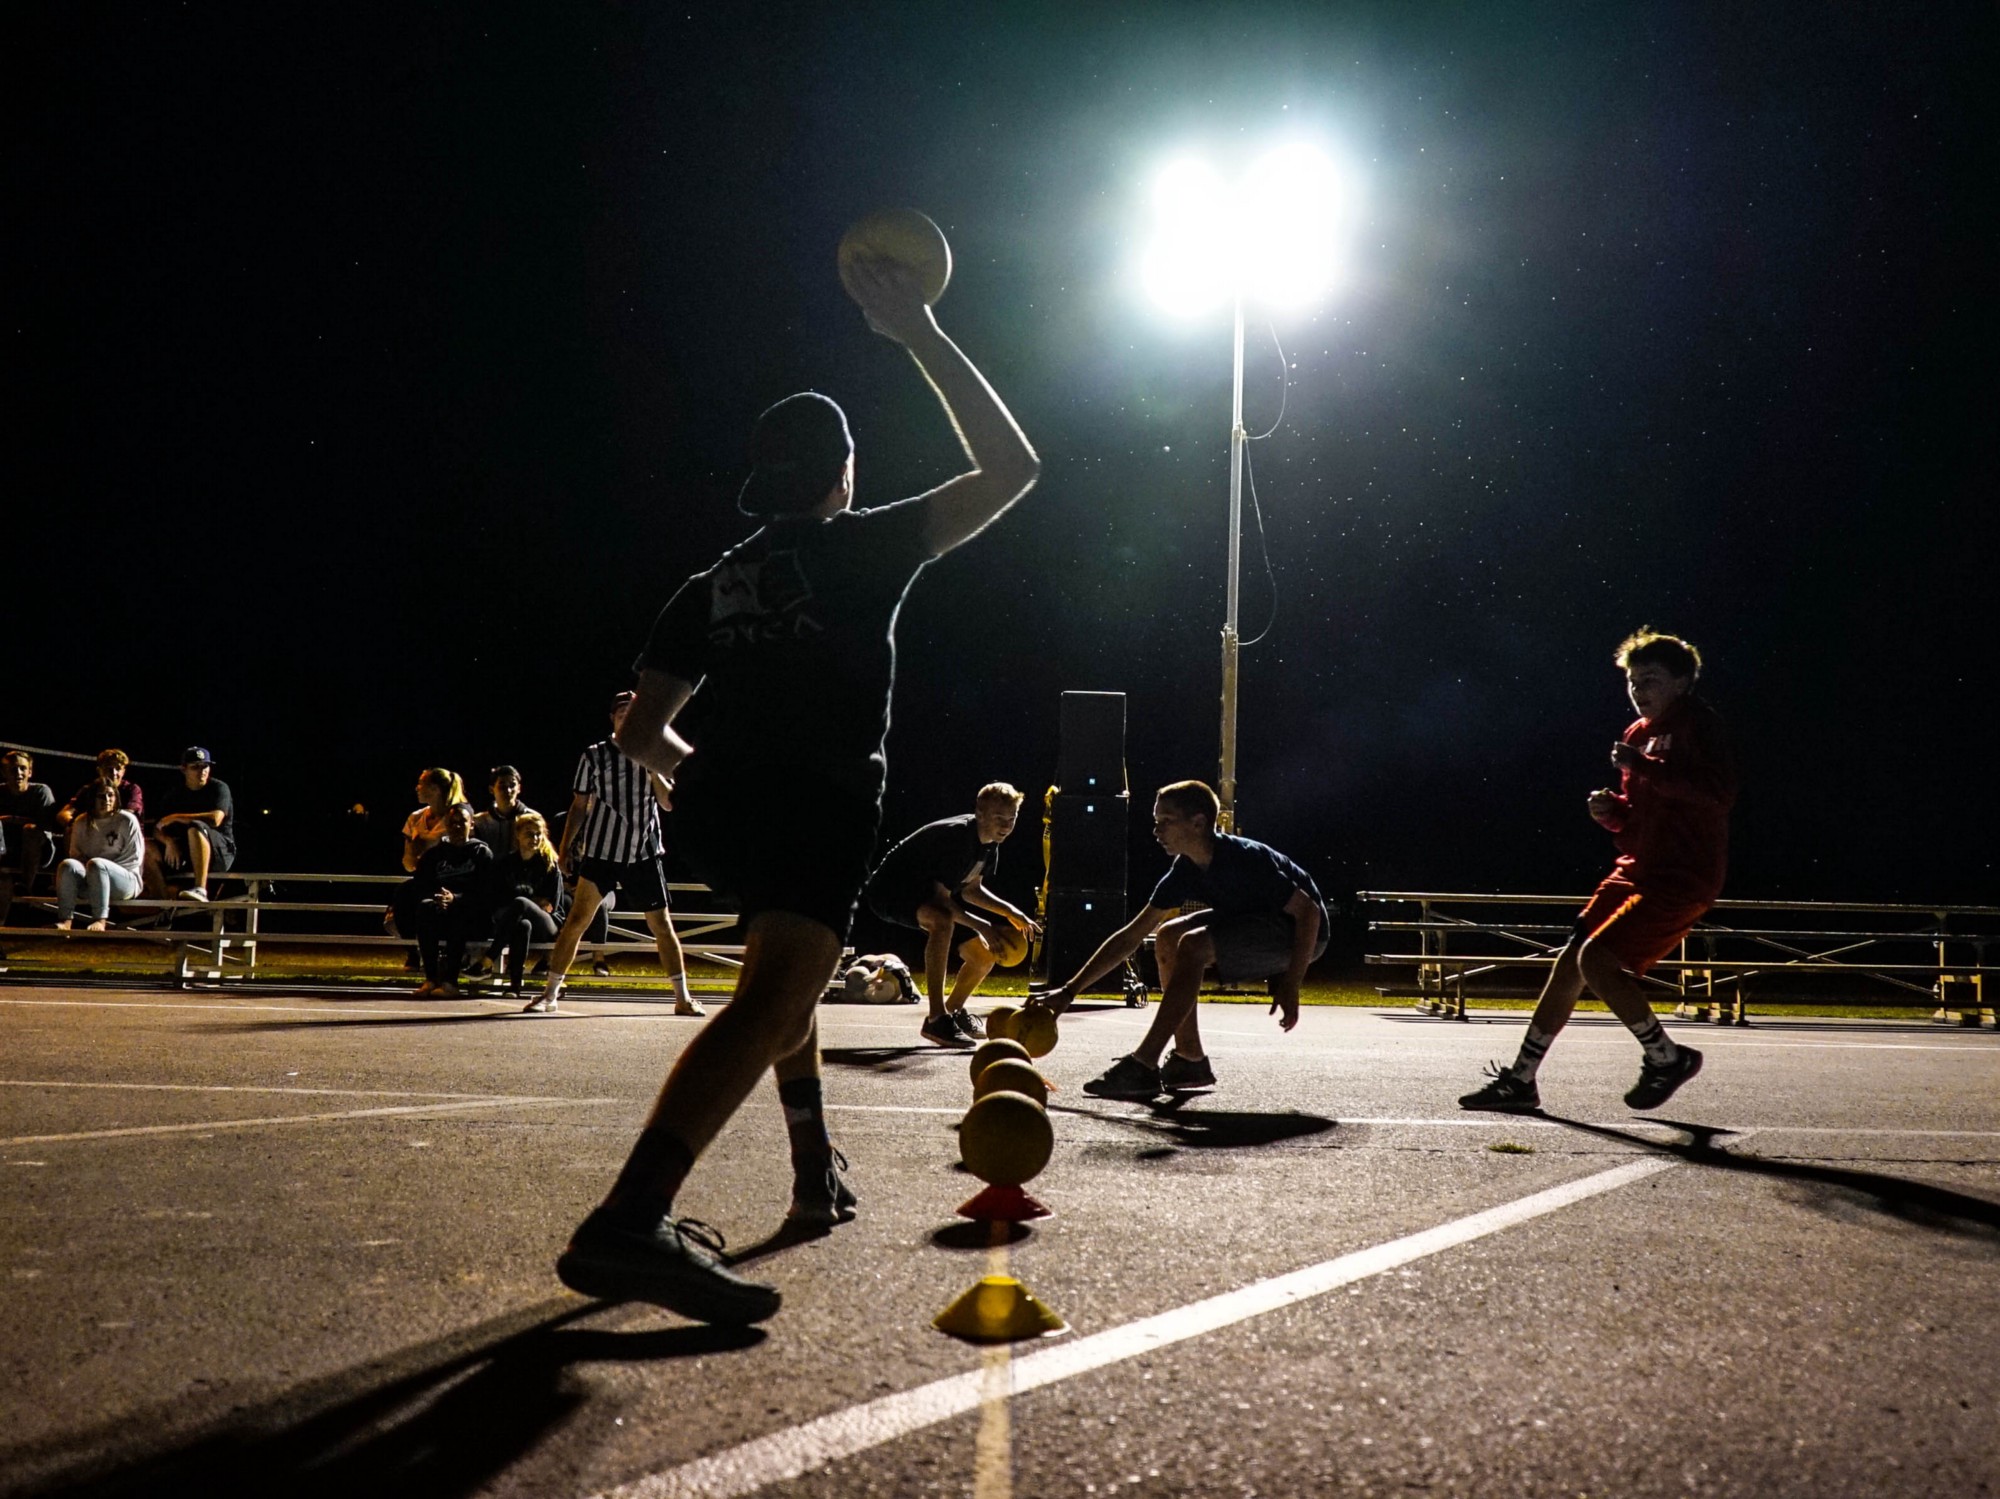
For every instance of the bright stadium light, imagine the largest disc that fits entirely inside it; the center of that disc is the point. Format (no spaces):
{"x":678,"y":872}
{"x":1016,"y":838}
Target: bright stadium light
{"x":1274,"y":238}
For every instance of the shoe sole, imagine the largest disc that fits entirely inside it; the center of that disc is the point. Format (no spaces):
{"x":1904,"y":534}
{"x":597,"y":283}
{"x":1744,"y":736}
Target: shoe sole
{"x":1501,"y":1108}
{"x":1679,"y":1083}
{"x":818,"y":1220}
{"x":1123,"y":1095}
{"x":608,"y":1283}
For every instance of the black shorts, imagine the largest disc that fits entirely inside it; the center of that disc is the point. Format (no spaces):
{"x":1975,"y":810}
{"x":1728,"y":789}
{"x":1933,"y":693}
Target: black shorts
{"x":896,"y":901}
{"x":779,"y":843}
{"x":221,"y":852}
{"x":642,"y":883}
{"x":1256,"y":946}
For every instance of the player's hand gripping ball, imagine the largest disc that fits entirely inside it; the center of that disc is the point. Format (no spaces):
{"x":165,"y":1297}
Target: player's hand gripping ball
{"x":1035,"y":1028}
{"x":1006,"y":1139}
{"x":907,"y":238}
{"x":1009,"y":945}
{"x":1012,"y":1075}
{"x":992,"y":1049}
{"x":1000,"y":1022}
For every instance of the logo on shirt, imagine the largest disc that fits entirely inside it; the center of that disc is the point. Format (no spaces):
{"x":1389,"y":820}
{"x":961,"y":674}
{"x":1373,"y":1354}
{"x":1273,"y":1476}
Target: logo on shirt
{"x":1658,"y":745}
{"x":761,"y":600}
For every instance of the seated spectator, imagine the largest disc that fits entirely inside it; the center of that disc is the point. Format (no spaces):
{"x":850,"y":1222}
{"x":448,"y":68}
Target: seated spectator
{"x":495,"y":827}
{"x":111,"y":766}
{"x":27,"y":824}
{"x":197,"y":832}
{"x":454,"y":883}
{"x":528,"y":896}
{"x":438,"y":791}
{"x":106,"y":850}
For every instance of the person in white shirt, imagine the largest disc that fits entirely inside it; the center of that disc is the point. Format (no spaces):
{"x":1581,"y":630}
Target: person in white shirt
{"x":107,"y":849}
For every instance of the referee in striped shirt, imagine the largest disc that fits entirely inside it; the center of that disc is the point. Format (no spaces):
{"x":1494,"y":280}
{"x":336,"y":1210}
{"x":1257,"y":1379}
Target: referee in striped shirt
{"x":611,"y":842}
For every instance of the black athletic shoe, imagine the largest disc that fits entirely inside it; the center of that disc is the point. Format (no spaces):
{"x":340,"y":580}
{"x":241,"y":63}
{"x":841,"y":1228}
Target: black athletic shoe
{"x":1178,"y":1074}
{"x":942,"y":1030}
{"x":1506,"y":1094}
{"x":822,"y":1199}
{"x":1657,"y":1084}
{"x":602,"y":968}
{"x":1127,"y":1078}
{"x":676,"y":1265}
{"x":969,"y":1025}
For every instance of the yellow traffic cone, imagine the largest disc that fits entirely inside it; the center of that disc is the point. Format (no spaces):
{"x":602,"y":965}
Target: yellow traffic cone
{"x":998,"y":1309}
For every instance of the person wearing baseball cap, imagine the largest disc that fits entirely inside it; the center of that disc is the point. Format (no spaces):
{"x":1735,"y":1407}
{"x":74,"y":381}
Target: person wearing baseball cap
{"x":196,"y":834}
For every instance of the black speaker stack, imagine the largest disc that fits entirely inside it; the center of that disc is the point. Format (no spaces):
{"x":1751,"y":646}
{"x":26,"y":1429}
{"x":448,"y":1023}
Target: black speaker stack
{"x":1085,"y":833}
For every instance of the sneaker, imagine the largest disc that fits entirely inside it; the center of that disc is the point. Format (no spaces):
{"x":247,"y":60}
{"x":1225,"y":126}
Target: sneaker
{"x":690,"y":1006}
{"x":940,"y":1029}
{"x":1657,"y":1084}
{"x":677,"y":1264}
{"x":1127,"y":1078}
{"x":543,"y":1004}
{"x":967,"y":1025}
{"x":64,"y":924}
{"x":601,"y":967}
{"x":480,"y":968}
{"x":1506,"y":1094}
{"x":102,"y":924}
{"x":195,"y":892}
{"x":1178,"y":1074}
{"x":822,"y":1199}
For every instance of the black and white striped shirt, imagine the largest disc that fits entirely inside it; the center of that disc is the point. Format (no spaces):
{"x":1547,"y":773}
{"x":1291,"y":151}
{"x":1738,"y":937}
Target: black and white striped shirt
{"x":623,"y":824}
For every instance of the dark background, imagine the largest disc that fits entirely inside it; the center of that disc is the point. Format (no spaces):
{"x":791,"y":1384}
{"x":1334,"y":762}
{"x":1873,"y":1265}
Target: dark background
{"x":378,"y":373}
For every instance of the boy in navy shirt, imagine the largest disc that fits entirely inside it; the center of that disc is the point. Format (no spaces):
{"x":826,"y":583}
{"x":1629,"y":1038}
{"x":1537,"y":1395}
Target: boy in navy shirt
{"x":1262,"y":917}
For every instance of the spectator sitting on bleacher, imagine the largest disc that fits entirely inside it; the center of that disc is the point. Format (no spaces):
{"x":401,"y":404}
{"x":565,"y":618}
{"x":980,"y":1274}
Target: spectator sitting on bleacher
{"x":454,"y":883}
{"x":198,"y":830}
{"x":111,"y":766}
{"x":528,"y":896}
{"x":27,"y":820}
{"x":438,"y":791}
{"x":495,"y":826}
{"x":106,"y":848}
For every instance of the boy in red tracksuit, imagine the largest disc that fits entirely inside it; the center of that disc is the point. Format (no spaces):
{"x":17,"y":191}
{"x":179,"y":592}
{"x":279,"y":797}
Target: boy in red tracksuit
{"x":1670,"y":821}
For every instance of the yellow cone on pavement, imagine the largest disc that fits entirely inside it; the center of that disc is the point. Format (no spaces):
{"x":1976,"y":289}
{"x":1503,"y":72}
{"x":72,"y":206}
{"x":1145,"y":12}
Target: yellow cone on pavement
{"x":998,"y":1309}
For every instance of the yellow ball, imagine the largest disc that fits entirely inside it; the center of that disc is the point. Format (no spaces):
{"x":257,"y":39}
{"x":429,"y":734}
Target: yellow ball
{"x":1006,"y":1139}
{"x":906,"y":237}
{"x":991,"y":1050}
{"x":1012,"y":1075}
{"x":1008,"y":946}
{"x":1035,"y":1028}
{"x":1000,"y":1021}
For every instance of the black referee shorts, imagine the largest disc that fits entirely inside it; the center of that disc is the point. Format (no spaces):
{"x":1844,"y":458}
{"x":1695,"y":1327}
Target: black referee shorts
{"x":641,"y":885}
{"x":779,"y":843}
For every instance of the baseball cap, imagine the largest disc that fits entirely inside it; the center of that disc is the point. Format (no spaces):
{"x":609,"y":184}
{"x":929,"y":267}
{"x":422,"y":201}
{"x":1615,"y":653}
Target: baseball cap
{"x":797,"y":450}
{"x":194,"y":754}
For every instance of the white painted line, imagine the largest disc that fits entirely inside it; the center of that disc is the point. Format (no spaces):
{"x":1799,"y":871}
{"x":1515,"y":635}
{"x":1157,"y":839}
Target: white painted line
{"x":801,"y":1449}
{"x":889,"y":1108}
{"x":8,"y":1082}
{"x":407,"y":1111}
{"x":239,"y":1007}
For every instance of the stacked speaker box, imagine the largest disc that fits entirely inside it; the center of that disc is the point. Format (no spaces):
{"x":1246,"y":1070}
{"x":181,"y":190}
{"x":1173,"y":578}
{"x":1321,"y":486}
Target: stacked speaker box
{"x":1088,"y":822}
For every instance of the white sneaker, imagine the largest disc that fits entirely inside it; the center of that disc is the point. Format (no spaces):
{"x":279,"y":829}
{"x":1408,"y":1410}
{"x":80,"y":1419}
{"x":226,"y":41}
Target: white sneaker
{"x":195,"y":892}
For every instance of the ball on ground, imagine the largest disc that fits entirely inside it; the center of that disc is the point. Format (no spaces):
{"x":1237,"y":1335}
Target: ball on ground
{"x":1035,"y":1029}
{"x":992,"y":1049}
{"x":1012,"y":1075}
{"x":906,"y":237}
{"x":1006,"y":1139}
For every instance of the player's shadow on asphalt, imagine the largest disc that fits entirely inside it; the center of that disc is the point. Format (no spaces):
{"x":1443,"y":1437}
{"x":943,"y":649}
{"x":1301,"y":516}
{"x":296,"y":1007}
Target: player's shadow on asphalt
{"x":439,"y":1420}
{"x":885,"y":1058}
{"x":1178,"y":1127}
{"x":1834,"y":1187}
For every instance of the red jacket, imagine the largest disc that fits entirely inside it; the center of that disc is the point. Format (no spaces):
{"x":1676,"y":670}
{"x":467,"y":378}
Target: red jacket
{"x":1672,"y":823}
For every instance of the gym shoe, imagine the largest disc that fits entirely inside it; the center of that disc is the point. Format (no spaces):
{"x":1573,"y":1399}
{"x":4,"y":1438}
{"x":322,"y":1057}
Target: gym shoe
{"x":690,"y":1006}
{"x":601,"y":967}
{"x":1657,"y":1084}
{"x":544,"y":1003}
{"x":969,"y":1025}
{"x":1127,"y":1078}
{"x":676,"y":1264}
{"x":1178,"y":1074}
{"x":822,"y":1199}
{"x":1506,"y":1094}
{"x":940,"y":1029}
{"x":195,"y":892}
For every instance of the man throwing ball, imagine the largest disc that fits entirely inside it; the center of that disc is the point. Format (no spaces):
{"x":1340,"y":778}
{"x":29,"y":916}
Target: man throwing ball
{"x":1670,"y":821}
{"x":935,"y":881}
{"x":795,"y":626}
{"x":1263,"y":918}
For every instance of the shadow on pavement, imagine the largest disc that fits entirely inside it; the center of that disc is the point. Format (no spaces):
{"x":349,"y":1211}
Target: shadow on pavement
{"x":1176,"y":1125}
{"x":440,"y":1420}
{"x":886,"y":1058}
{"x":1913,"y":1202}
{"x":967,"y":1234}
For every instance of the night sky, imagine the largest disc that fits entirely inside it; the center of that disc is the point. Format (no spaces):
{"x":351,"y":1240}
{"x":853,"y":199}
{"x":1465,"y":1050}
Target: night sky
{"x":377,"y":374}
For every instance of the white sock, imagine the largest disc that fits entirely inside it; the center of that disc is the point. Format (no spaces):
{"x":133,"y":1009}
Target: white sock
{"x":1534,"y":1046}
{"x":1659,"y":1046}
{"x":681,"y":990}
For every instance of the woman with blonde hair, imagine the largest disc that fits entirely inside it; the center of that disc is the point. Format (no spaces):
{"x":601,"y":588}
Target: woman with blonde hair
{"x":528,"y":897}
{"x":438,"y":791}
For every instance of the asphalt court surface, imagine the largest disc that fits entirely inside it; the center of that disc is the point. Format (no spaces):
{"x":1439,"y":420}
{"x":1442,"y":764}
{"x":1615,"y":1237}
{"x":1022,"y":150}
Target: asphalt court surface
{"x":266,"y":1242}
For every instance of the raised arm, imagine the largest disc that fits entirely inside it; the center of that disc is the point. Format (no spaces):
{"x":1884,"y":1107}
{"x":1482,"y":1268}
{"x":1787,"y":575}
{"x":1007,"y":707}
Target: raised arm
{"x":1004,"y":465}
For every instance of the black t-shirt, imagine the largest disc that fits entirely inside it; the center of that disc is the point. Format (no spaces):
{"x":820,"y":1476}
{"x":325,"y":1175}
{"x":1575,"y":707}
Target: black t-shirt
{"x":1244,"y":878}
{"x":212,"y":797}
{"x":791,"y":637}
{"x":462,"y":868}
{"x":37,"y":805}
{"x":541,"y":883}
{"x":947,"y":851}
{"x":495,"y":829}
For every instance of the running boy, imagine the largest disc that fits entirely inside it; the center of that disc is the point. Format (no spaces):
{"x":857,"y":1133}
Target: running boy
{"x":1670,"y":821}
{"x":929,"y":880}
{"x":1263,"y":918}
{"x":792,"y":637}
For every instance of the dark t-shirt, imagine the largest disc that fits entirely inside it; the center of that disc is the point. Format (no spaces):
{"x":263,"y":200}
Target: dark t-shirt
{"x":462,"y":868}
{"x":541,"y":883}
{"x":791,"y":637}
{"x":947,"y":851}
{"x":495,"y":829}
{"x":1244,"y":878}
{"x":212,"y":797}
{"x":37,"y":805}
